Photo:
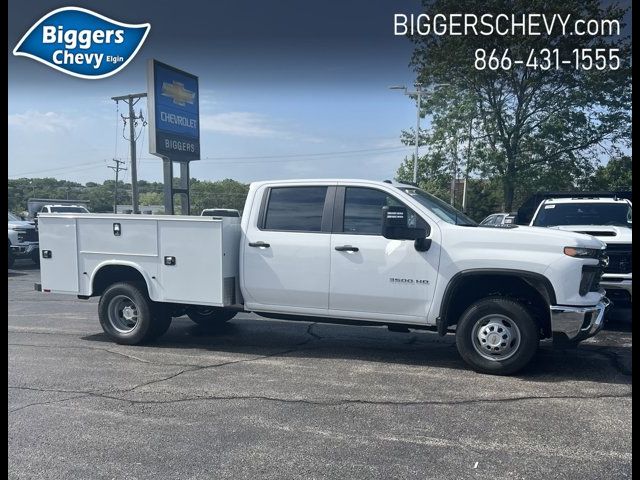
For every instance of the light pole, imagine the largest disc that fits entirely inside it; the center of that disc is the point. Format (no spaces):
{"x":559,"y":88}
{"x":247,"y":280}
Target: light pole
{"x":418,"y":92}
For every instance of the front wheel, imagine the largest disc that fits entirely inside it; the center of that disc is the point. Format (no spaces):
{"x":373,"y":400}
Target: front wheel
{"x":497,"y":336}
{"x":207,"y":316}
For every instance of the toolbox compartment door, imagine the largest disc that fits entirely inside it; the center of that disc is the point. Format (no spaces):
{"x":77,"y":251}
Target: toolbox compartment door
{"x":191,"y":262}
{"x":59,"y":272}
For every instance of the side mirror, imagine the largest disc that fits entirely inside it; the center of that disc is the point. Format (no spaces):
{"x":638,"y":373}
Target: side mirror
{"x":394,"y":225}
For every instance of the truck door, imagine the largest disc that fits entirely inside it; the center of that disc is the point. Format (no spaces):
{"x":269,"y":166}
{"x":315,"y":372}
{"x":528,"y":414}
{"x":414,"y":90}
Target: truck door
{"x":371,"y":275}
{"x":286,"y":249}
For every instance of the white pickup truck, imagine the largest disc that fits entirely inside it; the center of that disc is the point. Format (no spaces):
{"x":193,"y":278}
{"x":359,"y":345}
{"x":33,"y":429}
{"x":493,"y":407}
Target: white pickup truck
{"x":334,"y":251}
{"x":606,"y":218}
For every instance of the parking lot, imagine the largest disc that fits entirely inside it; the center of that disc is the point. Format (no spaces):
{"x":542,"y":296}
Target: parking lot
{"x":259,"y":398}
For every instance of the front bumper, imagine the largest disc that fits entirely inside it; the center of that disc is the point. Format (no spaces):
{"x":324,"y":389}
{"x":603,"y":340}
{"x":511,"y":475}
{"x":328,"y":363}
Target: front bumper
{"x":574,"y":324}
{"x":24,"y":249}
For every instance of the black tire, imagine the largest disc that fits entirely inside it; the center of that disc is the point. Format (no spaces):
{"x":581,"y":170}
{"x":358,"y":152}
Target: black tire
{"x":133,"y":326}
{"x":503,"y":330}
{"x":207,"y":316}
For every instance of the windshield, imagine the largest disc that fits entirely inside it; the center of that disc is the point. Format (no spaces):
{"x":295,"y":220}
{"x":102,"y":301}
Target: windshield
{"x":13,"y":218}
{"x":442,"y":209}
{"x":68,"y":210}
{"x":582,"y":213}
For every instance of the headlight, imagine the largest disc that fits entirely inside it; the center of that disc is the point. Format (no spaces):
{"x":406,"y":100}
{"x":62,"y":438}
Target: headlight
{"x":581,"y":252}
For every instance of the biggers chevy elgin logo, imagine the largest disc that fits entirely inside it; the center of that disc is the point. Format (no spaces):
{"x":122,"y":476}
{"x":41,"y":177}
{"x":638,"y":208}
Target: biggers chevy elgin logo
{"x":82,"y":43}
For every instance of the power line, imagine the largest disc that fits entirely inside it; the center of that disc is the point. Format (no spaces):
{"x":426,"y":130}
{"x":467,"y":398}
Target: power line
{"x":263,"y":159}
{"x":314,"y":154}
{"x":131,"y":101}
{"x":72,"y":167}
{"x":229,"y":160}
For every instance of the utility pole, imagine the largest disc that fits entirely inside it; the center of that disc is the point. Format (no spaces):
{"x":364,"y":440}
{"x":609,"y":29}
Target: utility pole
{"x":466,"y":170}
{"x":116,"y":168}
{"x":415,"y":161}
{"x":131,"y":100}
{"x":418,"y":92}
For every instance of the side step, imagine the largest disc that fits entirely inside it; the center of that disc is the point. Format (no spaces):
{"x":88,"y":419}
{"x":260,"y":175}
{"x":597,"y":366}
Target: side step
{"x":398,"y":328}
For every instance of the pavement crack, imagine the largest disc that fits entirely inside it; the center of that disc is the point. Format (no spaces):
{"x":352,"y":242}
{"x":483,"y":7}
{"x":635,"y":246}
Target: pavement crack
{"x":344,"y":402}
{"x":49,"y":402}
{"x":111,"y":395}
{"x":312,"y":333}
{"x":114,"y":352}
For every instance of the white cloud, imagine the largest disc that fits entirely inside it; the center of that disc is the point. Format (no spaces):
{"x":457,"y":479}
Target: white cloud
{"x":245,"y":124}
{"x":251,"y":124}
{"x":41,"y":121}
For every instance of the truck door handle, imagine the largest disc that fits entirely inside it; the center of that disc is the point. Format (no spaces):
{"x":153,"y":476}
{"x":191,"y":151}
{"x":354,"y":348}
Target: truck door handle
{"x":259,"y":244}
{"x":347,"y":248}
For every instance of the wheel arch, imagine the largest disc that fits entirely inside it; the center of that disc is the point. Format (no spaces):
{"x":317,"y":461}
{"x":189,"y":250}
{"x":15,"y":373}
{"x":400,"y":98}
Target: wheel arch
{"x":114,"y":271}
{"x":469,"y":286}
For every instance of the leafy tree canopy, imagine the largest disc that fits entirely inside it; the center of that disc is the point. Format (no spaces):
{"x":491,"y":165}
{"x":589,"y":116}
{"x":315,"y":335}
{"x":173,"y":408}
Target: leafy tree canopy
{"x":531,"y":129}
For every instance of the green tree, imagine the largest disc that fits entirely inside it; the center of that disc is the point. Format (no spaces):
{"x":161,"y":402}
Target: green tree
{"x":615,"y":175}
{"x":226,"y":193}
{"x":530,"y":128}
{"x":151,"y":198}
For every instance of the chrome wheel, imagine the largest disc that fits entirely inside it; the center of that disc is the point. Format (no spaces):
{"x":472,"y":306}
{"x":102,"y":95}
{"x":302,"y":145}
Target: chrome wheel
{"x":123,"y":314}
{"x":496,"y":337}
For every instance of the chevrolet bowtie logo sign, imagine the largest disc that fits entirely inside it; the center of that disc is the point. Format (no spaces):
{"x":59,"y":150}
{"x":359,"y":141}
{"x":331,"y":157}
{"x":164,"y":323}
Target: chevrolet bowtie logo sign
{"x":176,"y":91}
{"x":174,"y":113}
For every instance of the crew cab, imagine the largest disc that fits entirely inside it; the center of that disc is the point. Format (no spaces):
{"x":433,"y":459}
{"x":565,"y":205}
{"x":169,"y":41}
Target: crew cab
{"x":606,"y":218}
{"x":340,"y":251}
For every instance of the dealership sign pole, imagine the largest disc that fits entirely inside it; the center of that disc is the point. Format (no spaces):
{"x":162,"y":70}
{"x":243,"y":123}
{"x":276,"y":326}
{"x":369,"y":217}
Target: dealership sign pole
{"x":174,"y":126}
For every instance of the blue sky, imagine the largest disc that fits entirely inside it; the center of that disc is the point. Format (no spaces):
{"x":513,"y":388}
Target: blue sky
{"x":289,"y":89}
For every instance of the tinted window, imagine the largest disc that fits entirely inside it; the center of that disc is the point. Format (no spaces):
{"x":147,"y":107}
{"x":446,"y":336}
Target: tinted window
{"x":363,"y":210}
{"x":441,"y":208}
{"x":488,"y":221}
{"x":295,"y":208}
{"x":582,"y":213}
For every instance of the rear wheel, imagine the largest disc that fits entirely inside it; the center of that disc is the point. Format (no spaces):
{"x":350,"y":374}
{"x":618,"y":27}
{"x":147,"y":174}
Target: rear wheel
{"x":11,"y":260}
{"x":128,"y":315}
{"x":210,"y":315}
{"x":497,"y":336}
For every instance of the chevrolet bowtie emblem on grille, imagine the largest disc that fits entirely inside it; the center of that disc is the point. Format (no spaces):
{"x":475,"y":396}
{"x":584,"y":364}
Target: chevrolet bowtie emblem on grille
{"x":180,"y":95}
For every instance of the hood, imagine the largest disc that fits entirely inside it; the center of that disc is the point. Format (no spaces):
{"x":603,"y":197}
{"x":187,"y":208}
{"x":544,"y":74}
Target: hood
{"x":606,"y":233}
{"x":21,"y":224}
{"x":537,"y":235}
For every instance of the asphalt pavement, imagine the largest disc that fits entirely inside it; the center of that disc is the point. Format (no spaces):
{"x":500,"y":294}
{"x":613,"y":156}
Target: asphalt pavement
{"x":260,"y":398}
